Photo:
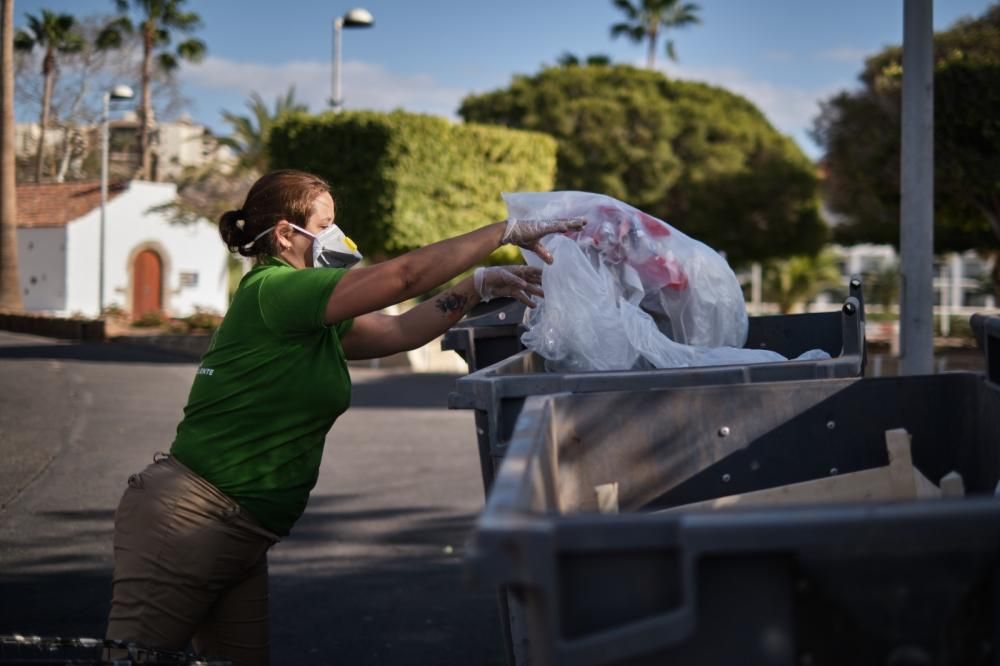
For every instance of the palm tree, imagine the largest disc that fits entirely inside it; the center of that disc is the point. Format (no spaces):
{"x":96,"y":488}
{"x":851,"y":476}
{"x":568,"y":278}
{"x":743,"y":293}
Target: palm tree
{"x":646,"y":18}
{"x":251,"y":133}
{"x":10,"y":281}
{"x":55,"y":33}
{"x":797,"y":280}
{"x":157,"y":18}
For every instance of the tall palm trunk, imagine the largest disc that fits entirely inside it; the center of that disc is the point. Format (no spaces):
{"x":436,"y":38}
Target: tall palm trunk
{"x":147,"y":98}
{"x":651,"y":49}
{"x":48,"y":74}
{"x":10,"y":281}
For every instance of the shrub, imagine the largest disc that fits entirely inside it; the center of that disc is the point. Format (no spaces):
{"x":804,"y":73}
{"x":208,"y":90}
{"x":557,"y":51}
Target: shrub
{"x":402,"y":180}
{"x":203,"y":320}
{"x":149,"y":320}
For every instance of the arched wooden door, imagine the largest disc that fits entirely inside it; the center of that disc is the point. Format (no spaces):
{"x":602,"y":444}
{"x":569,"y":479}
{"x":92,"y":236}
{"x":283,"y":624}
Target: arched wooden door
{"x":147,"y":286}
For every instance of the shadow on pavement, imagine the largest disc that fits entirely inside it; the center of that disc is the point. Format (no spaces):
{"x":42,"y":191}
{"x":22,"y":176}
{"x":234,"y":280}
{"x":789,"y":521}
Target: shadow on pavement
{"x":90,"y":351}
{"x":404,"y":603}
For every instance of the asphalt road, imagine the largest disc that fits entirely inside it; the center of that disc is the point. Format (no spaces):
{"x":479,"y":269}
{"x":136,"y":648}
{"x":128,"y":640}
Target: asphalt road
{"x":372,"y":574}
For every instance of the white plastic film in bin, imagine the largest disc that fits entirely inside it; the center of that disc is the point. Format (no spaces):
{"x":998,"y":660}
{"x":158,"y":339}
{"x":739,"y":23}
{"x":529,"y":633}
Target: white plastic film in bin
{"x":629,"y":291}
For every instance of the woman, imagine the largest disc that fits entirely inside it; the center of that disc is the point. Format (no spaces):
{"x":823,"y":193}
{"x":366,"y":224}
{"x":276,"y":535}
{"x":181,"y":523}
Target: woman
{"x":193,"y":529}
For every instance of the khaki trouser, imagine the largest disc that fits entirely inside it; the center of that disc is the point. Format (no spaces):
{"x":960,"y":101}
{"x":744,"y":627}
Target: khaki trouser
{"x":190,"y":566}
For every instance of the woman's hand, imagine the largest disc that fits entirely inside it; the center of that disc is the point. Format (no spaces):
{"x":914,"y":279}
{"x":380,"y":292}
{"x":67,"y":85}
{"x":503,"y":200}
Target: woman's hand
{"x":520,"y":282}
{"x":529,"y":233}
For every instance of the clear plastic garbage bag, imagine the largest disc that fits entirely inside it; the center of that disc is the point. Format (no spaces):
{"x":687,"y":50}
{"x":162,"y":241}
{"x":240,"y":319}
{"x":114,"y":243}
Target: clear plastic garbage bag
{"x":629,"y":291}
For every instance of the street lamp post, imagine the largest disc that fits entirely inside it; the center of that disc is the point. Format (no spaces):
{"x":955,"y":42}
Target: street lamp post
{"x":916,"y":234}
{"x":355,"y":18}
{"x":116,"y":93}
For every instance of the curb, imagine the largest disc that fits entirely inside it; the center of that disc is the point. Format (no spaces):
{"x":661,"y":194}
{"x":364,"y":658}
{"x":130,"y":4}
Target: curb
{"x":190,"y":346}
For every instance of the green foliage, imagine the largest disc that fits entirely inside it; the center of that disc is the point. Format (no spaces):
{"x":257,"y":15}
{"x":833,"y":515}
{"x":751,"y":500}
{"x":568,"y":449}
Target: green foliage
{"x":860,"y":132}
{"x":149,"y":320}
{"x":797,"y":280}
{"x":114,"y":311}
{"x":568,"y":59}
{"x":882,"y":286}
{"x":402,"y":180}
{"x":700,"y":157}
{"x":51,"y":32}
{"x":203,"y":320}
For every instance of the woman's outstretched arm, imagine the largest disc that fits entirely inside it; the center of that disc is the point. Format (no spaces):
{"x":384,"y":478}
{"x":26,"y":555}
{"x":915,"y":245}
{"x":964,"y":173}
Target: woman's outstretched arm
{"x":375,"y":334}
{"x":373,"y":288}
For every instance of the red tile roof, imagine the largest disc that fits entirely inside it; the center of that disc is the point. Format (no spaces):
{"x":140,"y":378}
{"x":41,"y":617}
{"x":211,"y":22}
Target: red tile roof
{"x":56,"y":204}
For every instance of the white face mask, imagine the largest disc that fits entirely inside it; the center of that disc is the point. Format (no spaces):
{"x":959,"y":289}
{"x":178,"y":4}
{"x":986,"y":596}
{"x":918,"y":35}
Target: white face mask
{"x":331,"y":247}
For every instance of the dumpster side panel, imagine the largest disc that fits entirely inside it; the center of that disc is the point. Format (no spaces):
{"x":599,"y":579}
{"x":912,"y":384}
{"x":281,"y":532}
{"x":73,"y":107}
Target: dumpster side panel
{"x":902,"y":582}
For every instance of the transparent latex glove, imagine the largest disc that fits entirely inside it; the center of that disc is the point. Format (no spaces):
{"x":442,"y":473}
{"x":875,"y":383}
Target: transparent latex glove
{"x":529,"y":233}
{"x":520,"y":282}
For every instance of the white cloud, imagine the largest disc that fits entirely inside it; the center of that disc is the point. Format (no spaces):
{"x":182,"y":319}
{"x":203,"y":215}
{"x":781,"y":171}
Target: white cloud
{"x":790,"y":109}
{"x":364,"y":85}
{"x":847,"y":54}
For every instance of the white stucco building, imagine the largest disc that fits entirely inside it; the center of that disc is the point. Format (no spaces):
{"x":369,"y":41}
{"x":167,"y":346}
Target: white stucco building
{"x":151,"y":264}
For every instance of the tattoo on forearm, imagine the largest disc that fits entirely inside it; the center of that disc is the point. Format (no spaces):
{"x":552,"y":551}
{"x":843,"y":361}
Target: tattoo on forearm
{"x":450,"y":303}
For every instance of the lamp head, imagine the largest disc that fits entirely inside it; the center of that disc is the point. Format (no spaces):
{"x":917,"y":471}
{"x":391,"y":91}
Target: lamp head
{"x":122,"y":92}
{"x":358,"y":18}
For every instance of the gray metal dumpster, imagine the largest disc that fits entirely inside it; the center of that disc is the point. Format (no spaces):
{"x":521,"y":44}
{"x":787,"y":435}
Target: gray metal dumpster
{"x":497,"y":393}
{"x":908,"y":582}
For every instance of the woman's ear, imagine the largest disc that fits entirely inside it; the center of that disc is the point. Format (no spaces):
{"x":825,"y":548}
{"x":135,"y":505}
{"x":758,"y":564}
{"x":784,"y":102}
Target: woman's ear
{"x":283,"y":234}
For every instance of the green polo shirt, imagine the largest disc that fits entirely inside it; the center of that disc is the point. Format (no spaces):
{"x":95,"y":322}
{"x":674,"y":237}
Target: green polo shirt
{"x":267,"y":392}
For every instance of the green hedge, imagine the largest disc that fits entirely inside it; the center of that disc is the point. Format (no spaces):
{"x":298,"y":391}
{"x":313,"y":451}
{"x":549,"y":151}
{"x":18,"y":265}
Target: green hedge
{"x":402,"y":180}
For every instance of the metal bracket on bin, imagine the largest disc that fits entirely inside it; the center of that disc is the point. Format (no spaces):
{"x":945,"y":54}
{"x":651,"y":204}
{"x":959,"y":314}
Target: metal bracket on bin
{"x":488,"y":334}
{"x":851,"y":324}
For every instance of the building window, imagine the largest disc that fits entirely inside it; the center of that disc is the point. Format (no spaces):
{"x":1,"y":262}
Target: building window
{"x":189,"y":279}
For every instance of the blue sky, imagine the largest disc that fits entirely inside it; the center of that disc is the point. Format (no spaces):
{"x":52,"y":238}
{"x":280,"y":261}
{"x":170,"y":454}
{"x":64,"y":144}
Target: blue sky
{"x":784,"y":55}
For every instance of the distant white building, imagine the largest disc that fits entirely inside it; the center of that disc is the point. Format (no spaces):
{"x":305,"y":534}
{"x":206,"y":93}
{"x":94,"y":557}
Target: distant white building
{"x":184,"y":144}
{"x":26,"y":138}
{"x":176,"y":145}
{"x":151,"y":264}
{"x":958,"y":277}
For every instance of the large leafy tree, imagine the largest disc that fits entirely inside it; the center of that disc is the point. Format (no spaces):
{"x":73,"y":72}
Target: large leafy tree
{"x":156,"y":22}
{"x":52,"y":33}
{"x":700,"y":157}
{"x":250,"y":133}
{"x":10,"y":281}
{"x":860,"y":132}
{"x":646,"y":19}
